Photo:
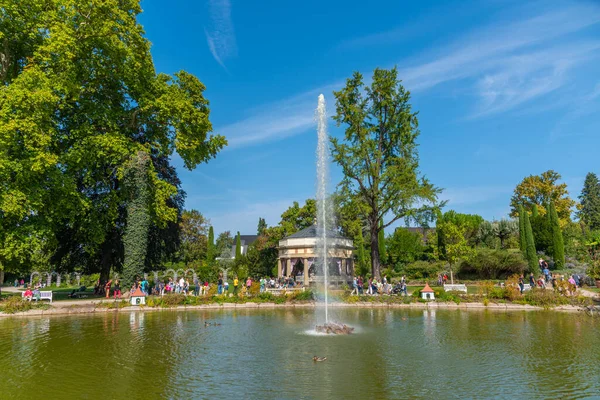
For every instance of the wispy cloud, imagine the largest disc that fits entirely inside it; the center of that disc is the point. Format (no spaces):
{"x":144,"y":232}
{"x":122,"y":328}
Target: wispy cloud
{"x":503,"y":65}
{"x":220,"y":34}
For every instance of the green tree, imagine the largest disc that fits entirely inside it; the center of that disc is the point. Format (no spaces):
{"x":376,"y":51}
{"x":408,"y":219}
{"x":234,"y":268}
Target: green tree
{"x":135,"y":241}
{"x":378,"y":154}
{"x":238,"y":246}
{"x":404,"y":246}
{"x":504,"y":229}
{"x":558,"y":248}
{"x":539,"y":190}
{"x":542,"y":232}
{"x":456,"y":246}
{"x":296,"y":218}
{"x":534,"y":210}
{"x":530,"y":253}
{"x":469,"y":224}
{"x":210,"y":247}
{"x":522,"y":234}
{"x":589,"y":210}
{"x":79,"y":99}
{"x":194,"y":241}
{"x":262,"y":226}
{"x":224,"y":244}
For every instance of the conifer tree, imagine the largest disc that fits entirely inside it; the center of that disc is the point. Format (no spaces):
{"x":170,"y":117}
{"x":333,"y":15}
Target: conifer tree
{"x":210,"y":248}
{"x":238,"y":246}
{"x":522,"y":236}
{"x":558,"y":247}
{"x":534,"y":211}
{"x":530,"y":253}
{"x":590,"y":202}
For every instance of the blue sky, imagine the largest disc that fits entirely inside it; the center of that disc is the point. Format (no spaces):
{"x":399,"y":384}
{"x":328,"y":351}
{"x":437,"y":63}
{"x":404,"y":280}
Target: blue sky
{"x":504,"y":89}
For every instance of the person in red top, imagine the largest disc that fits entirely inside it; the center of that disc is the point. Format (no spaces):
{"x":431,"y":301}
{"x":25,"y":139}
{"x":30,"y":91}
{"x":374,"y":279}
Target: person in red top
{"x":107,"y":288}
{"x":248,"y":286}
{"x":28,"y":294}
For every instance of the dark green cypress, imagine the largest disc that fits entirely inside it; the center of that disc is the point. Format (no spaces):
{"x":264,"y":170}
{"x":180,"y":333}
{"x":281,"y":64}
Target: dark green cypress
{"x":530,"y":253}
{"x":534,"y":211}
{"x":210,"y":248}
{"x":238,"y":246}
{"x":135,"y":239}
{"x":590,"y":202}
{"x":522,"y":236}
{"x":558,"y":247}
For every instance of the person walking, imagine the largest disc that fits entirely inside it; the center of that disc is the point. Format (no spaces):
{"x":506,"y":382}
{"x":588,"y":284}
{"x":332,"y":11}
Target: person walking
{"x":531,"y":280}
{"x":117,"y":289}
{"x":354,"y":286}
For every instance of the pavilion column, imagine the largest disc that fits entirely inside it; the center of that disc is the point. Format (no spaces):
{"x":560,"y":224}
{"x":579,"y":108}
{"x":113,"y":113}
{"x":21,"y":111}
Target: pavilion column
{"x":288,"y":267}
{"x":279,"y":268}
{"x":305,"y":262}
{"x":343,"y":265}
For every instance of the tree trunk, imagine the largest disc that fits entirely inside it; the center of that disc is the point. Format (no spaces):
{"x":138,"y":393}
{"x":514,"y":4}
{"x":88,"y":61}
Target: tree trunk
{"x":1,"y":277}
{"x":375,"y":265}
{"x":451,"y":276}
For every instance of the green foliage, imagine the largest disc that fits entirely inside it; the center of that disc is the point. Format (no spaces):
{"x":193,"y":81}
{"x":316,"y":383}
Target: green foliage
{"x":540,"y":190}
{"x":262,"y":226}
{"x":422,"y":270}
{"x":530,"y":252}
{"x":468,"y":224}
{"x":405,"y":246}
{"x":224,"y":243}
{"x":558,"y":248}
{"x":210,"y":246}
{"x":493,"y":264}
{"x":542,"y":233}
{"x":296,"y":218}
{"x":138,"y":217}
{"x":378,"y":154}
{"x":79,"y":98}
{"x":534,"y":211}
{"x":194,"y":241}
{"x":589,"y":211}
{"x":15,"y":304}
{"x":522,"y":234}
{"x":238,"y":246}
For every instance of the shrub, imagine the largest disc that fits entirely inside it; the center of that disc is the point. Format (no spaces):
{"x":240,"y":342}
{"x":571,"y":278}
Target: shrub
{"x":545,"y":298}
{"x":493,"y":264}
{"x":15,"y":304}
{"x":302,"y":296}
{"x":172,"y":300}
{"x":421,"y":269}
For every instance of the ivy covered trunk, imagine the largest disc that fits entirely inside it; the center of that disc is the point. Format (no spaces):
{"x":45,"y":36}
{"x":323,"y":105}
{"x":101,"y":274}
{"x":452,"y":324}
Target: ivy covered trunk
{"x":375,"y":262}
{"x":135,"y":239}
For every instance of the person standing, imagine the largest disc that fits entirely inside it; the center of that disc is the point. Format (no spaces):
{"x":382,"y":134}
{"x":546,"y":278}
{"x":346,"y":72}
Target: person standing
{"x":531,"y":280}
{"x":220,"y":285}
{"x":521,"y":283}
{"x":196,"y":286}
{"x":117,"y":289}
{"x":107,"y":288}
{"x":235,"y":285}
{"x":248,"y":286}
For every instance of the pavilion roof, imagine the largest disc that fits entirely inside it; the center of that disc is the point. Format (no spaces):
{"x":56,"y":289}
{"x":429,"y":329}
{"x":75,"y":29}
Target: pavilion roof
{"x":311,"y":232}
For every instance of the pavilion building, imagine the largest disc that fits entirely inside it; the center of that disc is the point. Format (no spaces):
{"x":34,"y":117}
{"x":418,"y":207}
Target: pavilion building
{"x":297,"y":254}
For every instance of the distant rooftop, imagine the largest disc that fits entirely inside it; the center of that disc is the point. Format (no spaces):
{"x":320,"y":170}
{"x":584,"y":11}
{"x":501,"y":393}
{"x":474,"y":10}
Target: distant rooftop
{"x":311,"y":232}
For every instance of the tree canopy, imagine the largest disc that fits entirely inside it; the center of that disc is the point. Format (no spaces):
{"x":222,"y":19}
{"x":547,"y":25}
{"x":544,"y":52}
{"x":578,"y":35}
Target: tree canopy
{"x":79,"y":98}
{"x":589,"y":210}
{"x":378,"y":154}
{"x":540,"y":190}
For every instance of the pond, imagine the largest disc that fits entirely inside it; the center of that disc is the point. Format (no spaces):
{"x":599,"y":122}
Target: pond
{"x":267,"y":354}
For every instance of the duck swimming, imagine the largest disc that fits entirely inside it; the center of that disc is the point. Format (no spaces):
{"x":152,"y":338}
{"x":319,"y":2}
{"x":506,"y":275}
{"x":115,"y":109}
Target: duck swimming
{"x":315,"y":358}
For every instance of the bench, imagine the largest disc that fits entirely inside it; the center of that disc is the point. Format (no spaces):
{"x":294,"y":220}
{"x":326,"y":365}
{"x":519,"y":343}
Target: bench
{"x":278,"y":291}
{"x":455,"y":288}
{"x":45,"y":295}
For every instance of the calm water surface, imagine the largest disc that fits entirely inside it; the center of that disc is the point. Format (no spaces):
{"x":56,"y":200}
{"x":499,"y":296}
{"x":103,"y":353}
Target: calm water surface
{"x":267,"y":354}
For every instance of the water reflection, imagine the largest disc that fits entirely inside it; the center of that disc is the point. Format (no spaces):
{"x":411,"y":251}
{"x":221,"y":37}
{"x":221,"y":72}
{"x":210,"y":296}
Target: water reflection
{"x":396,"y":354}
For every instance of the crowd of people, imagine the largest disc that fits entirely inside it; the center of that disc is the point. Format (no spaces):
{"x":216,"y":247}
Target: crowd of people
{"x":373,"y":286}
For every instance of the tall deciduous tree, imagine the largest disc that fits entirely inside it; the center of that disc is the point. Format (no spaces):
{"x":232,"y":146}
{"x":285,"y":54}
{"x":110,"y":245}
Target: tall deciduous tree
{"x":530,"y":252}
{"x":194,"y":240}
{"x":80,"y":98}
{"x":456,"y":246}
{"x":558,"y":247}
{"x":378,"y":154}
{"x":589,"y":211}
{"x":539,"y":190}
